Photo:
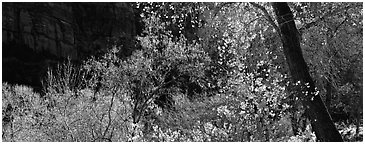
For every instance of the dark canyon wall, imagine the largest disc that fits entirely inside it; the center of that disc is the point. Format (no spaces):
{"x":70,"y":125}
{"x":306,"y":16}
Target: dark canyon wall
{"x":36,"y":34}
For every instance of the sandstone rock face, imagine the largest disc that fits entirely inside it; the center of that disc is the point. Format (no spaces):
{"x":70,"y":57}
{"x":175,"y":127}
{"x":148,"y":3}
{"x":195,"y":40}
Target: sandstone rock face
{"x":65,"y":29}
{"x":34,"y":33}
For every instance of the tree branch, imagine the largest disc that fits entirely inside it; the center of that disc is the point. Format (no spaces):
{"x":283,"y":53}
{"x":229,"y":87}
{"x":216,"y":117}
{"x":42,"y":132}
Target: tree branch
{"x":109,"y":113}
{"x":336,"y":29}
{"x":326,"y":15}
{"x":267,"y":15}
{"x":217,"y":9}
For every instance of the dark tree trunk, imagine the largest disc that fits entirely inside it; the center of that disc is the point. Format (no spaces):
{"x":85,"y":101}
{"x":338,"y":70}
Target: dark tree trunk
{"x":317,"y":112}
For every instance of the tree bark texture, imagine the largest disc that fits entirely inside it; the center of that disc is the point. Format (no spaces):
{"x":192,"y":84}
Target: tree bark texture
{"x":316,"y":110}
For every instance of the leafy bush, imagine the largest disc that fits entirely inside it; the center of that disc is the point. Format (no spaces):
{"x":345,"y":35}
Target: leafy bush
{"x":23,"y":112}
{"x":68,"y":112}
{"x":99,"y":112}
{"x":248,"y":107}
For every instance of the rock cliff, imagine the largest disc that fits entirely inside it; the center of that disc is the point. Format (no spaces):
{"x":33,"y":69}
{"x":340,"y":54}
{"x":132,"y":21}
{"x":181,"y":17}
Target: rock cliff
{"x":37,"y":32}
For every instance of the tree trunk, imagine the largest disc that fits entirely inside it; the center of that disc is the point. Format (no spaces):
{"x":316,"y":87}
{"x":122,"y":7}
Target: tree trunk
{"x":317,"y":112}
